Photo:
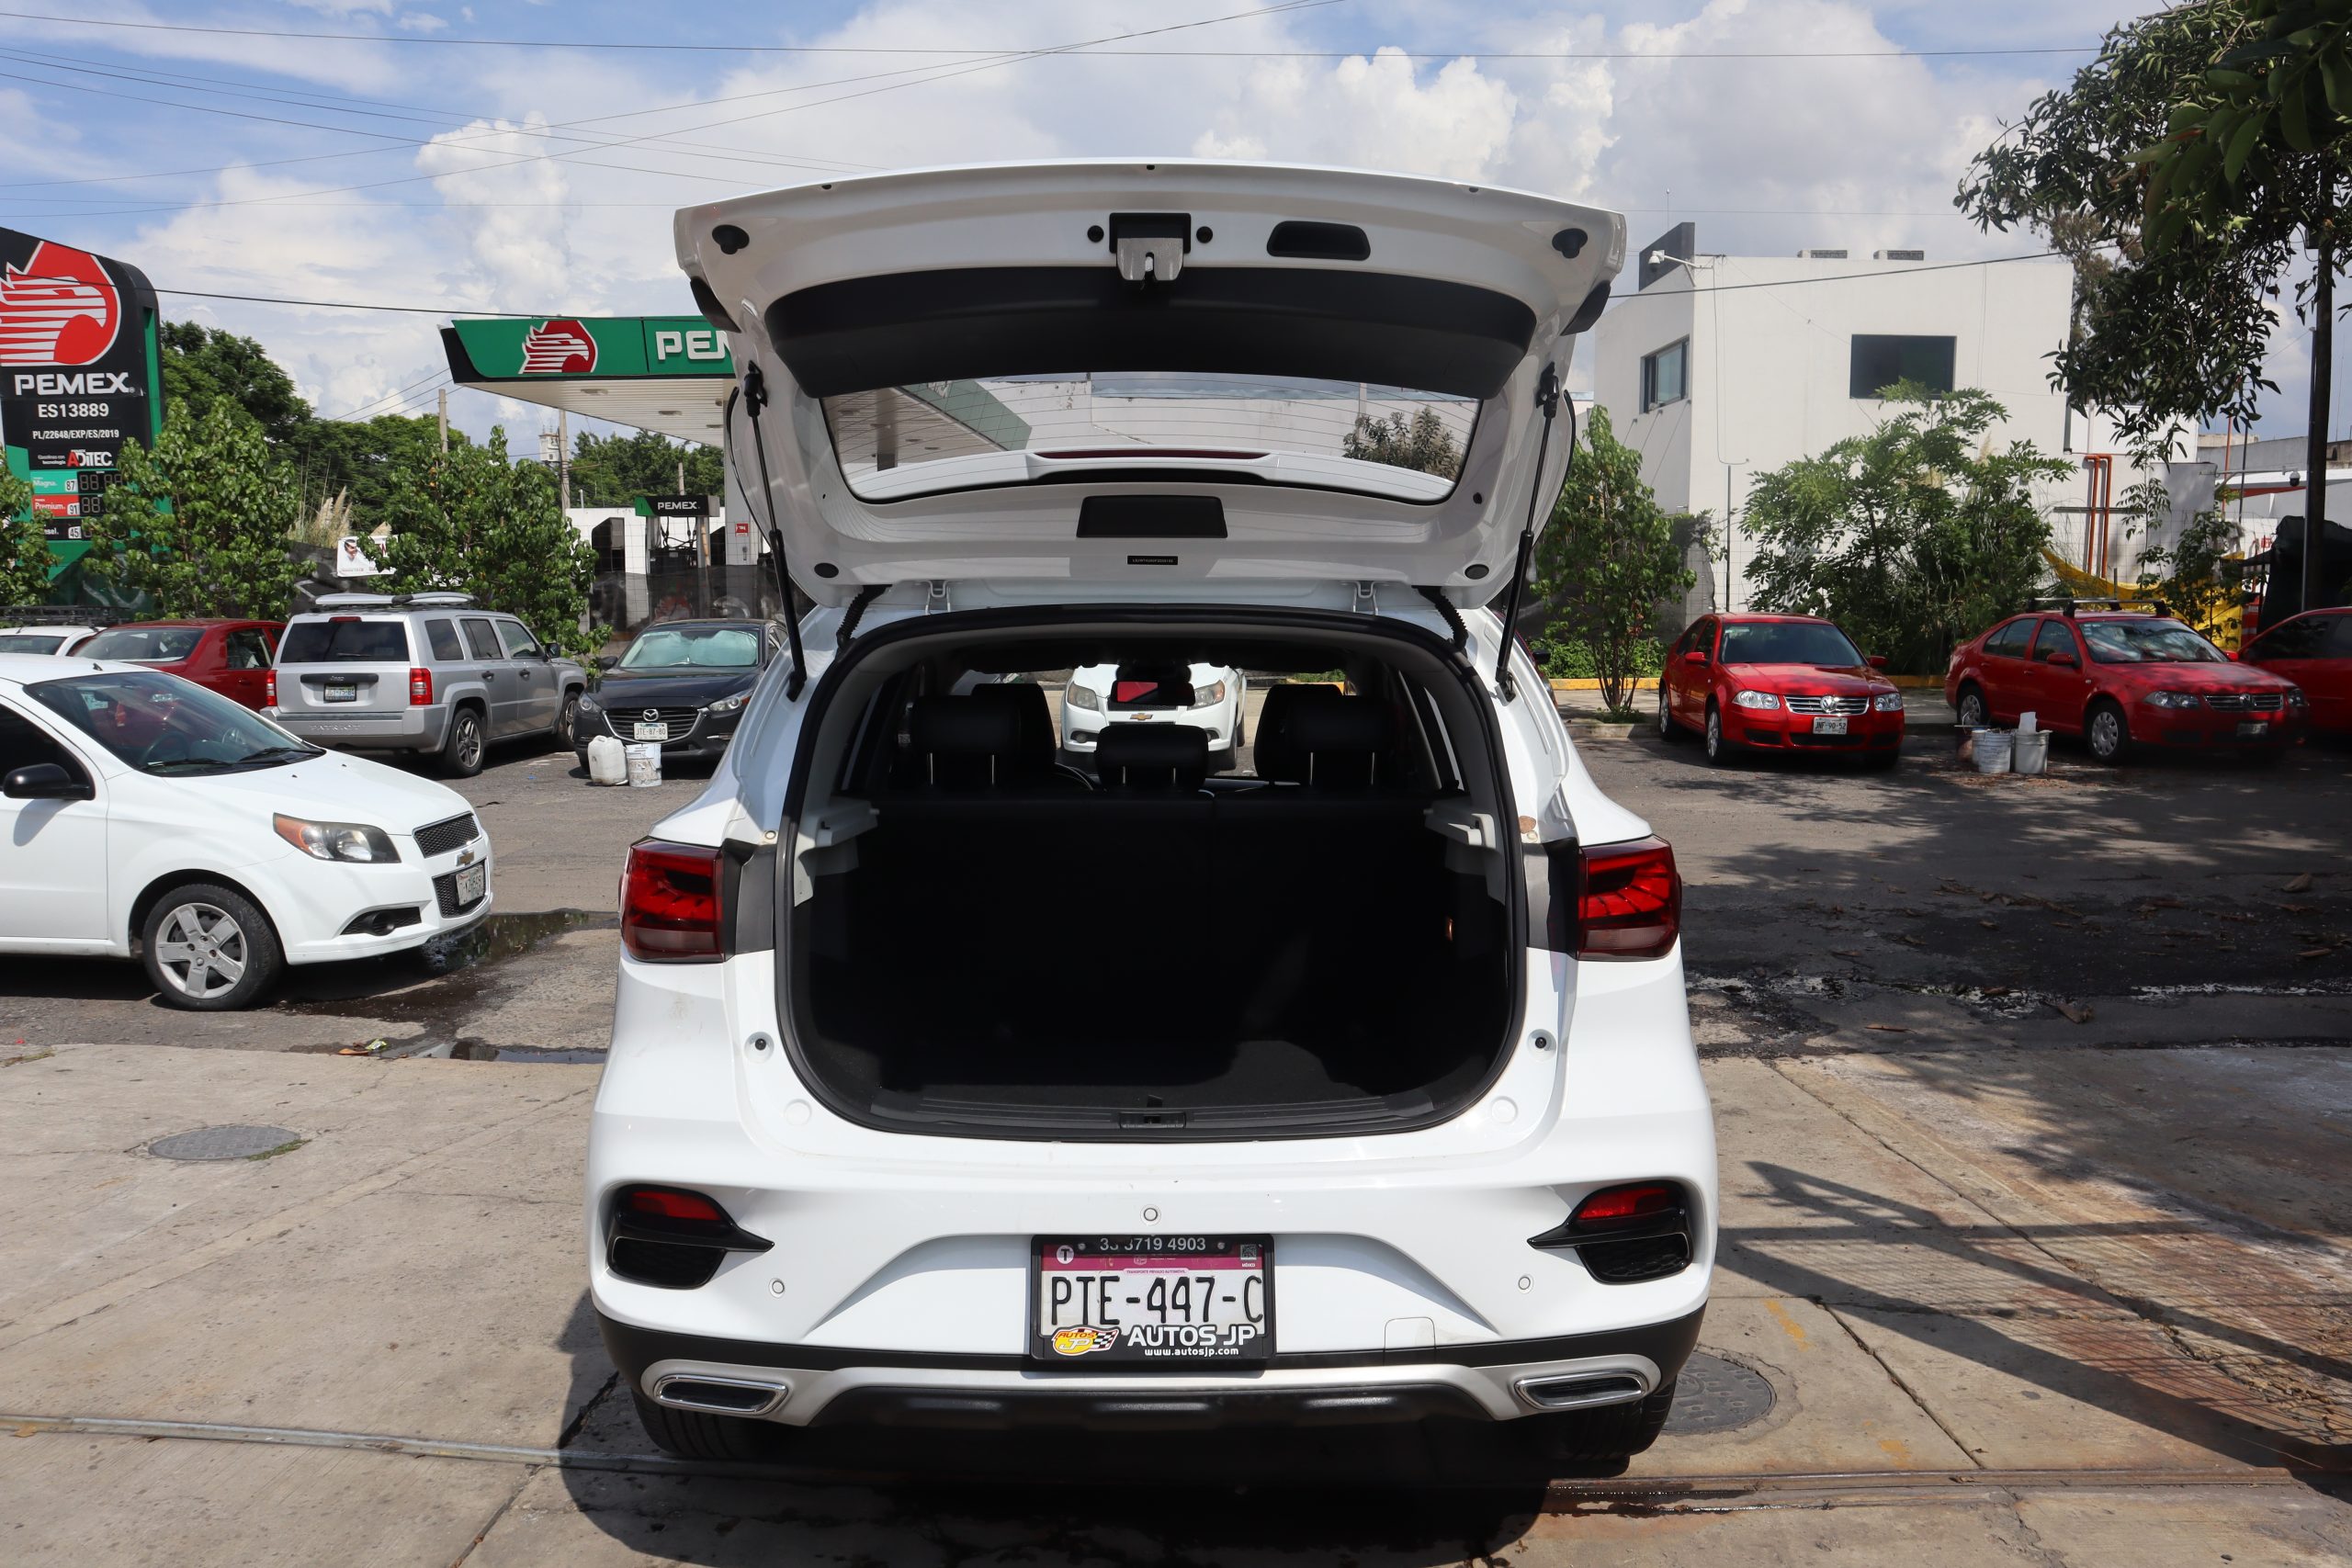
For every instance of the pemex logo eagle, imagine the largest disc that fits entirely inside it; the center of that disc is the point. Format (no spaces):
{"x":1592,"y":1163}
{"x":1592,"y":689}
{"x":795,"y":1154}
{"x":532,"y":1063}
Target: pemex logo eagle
{"x":60,"y":308}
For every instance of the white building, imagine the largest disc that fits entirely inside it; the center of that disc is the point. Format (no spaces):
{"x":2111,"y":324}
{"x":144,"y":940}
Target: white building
{"x":1719,"y":368}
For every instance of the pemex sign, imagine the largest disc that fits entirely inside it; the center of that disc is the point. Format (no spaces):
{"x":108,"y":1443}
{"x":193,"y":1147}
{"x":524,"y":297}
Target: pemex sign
{"x":79,"y":374}
{"x":559,"y":346}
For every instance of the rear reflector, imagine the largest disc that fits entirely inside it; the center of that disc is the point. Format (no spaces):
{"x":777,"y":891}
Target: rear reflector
{"x":1630,"y":904}
{"x":1613,"y":1206}
{"x":673,"y":1205}
{"x":670,"y":903}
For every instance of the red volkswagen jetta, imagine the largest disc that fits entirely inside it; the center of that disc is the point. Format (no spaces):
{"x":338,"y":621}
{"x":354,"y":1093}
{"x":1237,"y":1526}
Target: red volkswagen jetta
{"x":2120,"y":679}
{"x":1779,"y":683}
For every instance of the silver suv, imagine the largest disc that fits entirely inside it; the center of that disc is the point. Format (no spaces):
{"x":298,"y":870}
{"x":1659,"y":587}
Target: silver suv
{"x":420,"y":673}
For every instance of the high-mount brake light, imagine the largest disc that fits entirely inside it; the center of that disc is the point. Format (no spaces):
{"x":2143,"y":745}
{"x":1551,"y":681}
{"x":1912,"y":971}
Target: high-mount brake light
{"x":1630,"y":903}
{"x":670,"y":903}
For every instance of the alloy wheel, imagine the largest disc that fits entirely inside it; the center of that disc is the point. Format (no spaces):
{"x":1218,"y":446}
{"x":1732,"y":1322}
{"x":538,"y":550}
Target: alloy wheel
{"x":2106,"y":733}
{"x":202,"y":949}
{"x":469,"y":742}
{"x":1971,"y":711}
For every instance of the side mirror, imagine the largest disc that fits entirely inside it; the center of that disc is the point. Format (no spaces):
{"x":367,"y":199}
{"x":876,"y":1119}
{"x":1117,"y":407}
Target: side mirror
{"x":2062,"y":660}
{"x":45,"y":781}
{"x":607,"y":661}
{"x":1696,"y":658}
{"x":1876,"y":660}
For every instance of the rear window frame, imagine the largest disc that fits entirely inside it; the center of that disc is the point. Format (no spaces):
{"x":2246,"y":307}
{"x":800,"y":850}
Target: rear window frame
{"x":289,"y":647}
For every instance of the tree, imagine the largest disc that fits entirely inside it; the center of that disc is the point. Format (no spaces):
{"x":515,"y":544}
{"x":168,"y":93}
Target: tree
{"x":1606,"y":562}
{"x":1425,"y":444}
{"x":1912,"y":538}
{"x":24,"y":549}
{"x":473,"y":521}
{"x":2204,"y":227}
{"x":199,"y":523}
{"x":613,"y":470}
{"x":203,"y":365}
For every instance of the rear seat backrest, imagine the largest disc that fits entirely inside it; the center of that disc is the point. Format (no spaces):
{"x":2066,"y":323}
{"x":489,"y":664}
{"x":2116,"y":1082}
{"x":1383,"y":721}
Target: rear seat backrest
{"x":1167,"y":759}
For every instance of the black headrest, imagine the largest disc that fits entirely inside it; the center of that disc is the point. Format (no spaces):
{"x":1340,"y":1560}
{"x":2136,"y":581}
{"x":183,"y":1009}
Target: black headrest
{"x":1277,"y":756}
{"x":1170,"y":757}
{"x":1336,"y":742}
{"x":964,"y":743}
{"x":1026,"y":700}
{"x":1351,"y":724}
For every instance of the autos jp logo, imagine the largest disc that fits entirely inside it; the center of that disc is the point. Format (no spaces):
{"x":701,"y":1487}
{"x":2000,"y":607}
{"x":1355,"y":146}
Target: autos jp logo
{"x":1085,"y":1341}
{"x":59,"y":309}
{"x":558,"y":347}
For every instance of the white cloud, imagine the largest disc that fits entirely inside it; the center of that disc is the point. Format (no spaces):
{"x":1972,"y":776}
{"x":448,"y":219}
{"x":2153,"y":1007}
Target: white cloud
{"x":1376,"y":112}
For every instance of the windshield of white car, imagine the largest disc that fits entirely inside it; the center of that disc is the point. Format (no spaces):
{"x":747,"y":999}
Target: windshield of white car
{"x":30,"y":644}
{"x":160,"y":724}
{"x":2147,"y":642}
{"x":1161,"y":418}
{"x":346,"y":639}
{"x":143,"y":645}
{"x":693,"y":648}
{"x":1788,"y":642}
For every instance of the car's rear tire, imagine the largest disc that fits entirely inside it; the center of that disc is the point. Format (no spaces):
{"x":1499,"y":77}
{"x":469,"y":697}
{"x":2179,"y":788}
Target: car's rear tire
{"x":694,"y":1434}
{"x":1719,"y":749}
{"x":466,"y":745}
{"x":1970,"y":712}
{"x":209,"y":949}
{"x":2106,"y":733}
{"x":1606,"y":1437}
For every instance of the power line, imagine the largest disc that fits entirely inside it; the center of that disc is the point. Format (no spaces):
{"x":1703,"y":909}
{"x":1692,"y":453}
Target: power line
{"x":389,"y":397}
{"x":642,"y":46}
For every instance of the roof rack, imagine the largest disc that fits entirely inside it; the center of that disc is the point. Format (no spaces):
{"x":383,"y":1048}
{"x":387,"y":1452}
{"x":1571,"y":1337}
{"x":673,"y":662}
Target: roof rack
{"x":2067,"y":604}
{"x":436,"y":598}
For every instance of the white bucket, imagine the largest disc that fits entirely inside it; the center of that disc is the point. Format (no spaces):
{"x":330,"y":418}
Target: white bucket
{"x":2032,"y":752}
{"x":1994,"y":751}
{"x":607,"y":762}
{"x":644,"y":765}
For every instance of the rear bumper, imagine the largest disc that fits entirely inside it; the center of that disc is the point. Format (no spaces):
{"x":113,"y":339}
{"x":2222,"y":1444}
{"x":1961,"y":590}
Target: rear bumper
{"x":824,"y":1385}
{"x":404,"y":729}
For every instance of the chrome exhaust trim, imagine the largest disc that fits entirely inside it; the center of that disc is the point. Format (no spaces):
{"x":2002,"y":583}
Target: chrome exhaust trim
{"x":1581,"y":1391}
{"x":720,"y":1396}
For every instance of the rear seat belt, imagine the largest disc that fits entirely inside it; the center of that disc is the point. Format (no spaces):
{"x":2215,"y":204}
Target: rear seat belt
{"x":755,"y":394}
{"x":1547,"y":398}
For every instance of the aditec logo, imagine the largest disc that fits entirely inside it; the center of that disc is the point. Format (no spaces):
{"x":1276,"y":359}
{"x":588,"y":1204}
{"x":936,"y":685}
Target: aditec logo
{"x":58,"y":309}
{"x":558,"y":348}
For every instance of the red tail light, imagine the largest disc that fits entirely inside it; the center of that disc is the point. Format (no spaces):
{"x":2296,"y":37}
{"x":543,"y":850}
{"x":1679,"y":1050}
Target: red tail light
{"x":1614,"y":1206}
{"x":669,"y":905}
{"x":420,"y":687}
{"x":1630,"y":904}
{"x":269,"y":688}
{"x":673,"y":1205}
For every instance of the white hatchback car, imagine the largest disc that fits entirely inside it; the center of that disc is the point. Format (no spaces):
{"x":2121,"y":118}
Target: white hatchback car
{"x":1375,"y":1096}
{"x":147,"y":815}
{"x":1207,"y":697}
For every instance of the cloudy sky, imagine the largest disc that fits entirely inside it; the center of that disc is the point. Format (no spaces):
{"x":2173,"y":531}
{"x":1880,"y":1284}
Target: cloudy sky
{"x":227,"y":147}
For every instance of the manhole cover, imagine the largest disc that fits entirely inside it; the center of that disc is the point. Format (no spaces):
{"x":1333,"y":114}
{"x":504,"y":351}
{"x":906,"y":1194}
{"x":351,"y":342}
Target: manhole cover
{"x":223,"y":1143}
{"x":1716,"y":1395}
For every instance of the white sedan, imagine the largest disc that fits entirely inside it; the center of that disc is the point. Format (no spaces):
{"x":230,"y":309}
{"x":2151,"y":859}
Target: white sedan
{"x":1207,"y":697}
{"x":148,"y":817}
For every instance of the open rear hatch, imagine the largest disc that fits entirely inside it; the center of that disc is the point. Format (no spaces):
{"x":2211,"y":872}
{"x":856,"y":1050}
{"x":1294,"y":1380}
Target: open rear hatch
{"x":1149,"y":376}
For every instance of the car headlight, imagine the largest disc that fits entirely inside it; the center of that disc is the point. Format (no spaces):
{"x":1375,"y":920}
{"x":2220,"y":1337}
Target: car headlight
{"x":336,"y":840}
{"x":728,"y":705}
{"x":1204,"y":696}
{"x":2295,"y":698}
{"x":1754,"y":700}
{"x":1889,"y":702}
{"x":588,"y":703}
{"x":1077,"y":696}
{"x":2175,"y":700}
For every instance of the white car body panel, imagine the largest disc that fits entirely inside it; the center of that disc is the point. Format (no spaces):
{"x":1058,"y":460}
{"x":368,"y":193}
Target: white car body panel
{"x":143,"y":830}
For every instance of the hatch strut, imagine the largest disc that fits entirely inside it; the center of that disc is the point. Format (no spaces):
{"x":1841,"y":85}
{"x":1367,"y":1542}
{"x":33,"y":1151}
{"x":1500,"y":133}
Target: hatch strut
{"x":1547,"y":398}
{"x":755,"y":393}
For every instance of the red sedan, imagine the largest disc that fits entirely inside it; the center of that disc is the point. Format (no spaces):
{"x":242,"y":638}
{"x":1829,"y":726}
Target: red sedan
{"x":2313,"y":651}
{"x":231,"y":658}
{"x":2120,"y":679}
{"x":1779,"y":683}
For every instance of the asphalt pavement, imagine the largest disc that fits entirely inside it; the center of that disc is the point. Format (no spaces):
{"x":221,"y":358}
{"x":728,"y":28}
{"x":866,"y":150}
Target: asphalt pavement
{"x":2034,"y":1097}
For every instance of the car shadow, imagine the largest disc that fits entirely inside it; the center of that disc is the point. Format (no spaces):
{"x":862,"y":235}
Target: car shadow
{"x":1404,"y":1494}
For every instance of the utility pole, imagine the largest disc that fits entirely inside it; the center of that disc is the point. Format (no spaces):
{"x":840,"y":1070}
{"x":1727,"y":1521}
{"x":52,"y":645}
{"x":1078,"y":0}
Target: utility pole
{"x":445,"y":422}
{"x":563,"y":458}
{"x":2316,"y":453}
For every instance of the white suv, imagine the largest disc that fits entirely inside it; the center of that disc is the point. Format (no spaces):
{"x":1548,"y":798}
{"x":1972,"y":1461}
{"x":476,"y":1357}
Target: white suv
{"x":1374,"y":1097}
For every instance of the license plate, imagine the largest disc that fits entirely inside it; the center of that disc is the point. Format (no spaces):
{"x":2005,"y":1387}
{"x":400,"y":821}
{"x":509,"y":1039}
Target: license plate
{"x":1152,"y":1298}
{"x":340,"y":691}
{"x":2249,"y":729}
{"x":1829,"y":726}
{"x":473,"y":881}
{"x":653,"y":732}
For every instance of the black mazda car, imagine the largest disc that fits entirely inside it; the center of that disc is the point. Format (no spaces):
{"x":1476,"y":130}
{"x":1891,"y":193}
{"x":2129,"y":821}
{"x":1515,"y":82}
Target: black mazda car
{"x":682,"y":683}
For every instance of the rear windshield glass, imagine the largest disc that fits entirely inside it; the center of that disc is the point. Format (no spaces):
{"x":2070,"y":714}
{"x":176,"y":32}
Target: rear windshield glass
{"x":346,"y":640}
{"x":1788,"y":642}
{"x":30,"y":644}
{"x":1329,"y":434}
{"x":147,"y":645}
{"x":2147,"y":642}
